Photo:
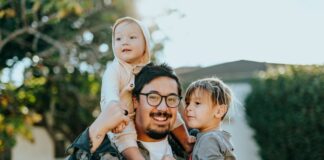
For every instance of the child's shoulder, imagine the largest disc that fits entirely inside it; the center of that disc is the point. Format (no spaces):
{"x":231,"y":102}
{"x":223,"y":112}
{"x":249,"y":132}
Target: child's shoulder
{"x":217,"y":134}
{"x":218,"y":137}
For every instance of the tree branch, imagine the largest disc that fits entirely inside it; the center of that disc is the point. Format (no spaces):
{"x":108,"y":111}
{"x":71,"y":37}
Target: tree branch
{"x":18,"y":40}
{"x":60,"y":47}
{"x":23,"y":12}
{"x":13,"y":36}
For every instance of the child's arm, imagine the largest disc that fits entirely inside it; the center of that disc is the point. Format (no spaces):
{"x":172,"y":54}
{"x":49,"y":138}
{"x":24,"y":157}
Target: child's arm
{"x":98,"y":129}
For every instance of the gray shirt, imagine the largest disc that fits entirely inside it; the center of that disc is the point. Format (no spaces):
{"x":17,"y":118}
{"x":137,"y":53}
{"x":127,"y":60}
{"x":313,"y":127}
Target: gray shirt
{"x":213,"y":145}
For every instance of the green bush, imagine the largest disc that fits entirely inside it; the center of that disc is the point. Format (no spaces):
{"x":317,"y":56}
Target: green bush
{"x":286,"y":110}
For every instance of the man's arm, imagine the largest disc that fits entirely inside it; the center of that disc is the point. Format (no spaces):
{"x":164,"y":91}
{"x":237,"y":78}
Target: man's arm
{"x":107,"y":120}
{"x":94,"y":138}
{"x":80,"y":148}
{"x":182,"y":135}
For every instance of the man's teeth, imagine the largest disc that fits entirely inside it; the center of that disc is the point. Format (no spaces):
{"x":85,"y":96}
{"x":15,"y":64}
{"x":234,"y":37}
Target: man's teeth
{"x":160,"y":118}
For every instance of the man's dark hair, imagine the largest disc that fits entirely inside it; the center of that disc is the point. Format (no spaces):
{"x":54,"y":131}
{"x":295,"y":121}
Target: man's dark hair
{"x":149,"y":73}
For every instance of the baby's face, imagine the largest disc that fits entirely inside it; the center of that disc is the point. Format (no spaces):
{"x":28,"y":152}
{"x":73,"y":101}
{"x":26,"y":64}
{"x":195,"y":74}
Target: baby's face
{"x":129,"y":42}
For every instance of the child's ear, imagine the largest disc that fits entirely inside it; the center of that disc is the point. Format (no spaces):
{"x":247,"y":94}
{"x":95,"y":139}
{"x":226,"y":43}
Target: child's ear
{"x":135,"y":102}
{"x":220,"y":111}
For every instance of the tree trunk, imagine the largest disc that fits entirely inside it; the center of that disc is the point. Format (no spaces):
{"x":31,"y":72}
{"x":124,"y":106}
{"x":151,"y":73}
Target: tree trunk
{"x":6,"y":154}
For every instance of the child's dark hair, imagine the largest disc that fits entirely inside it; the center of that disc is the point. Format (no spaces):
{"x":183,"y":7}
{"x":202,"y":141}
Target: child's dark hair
{"x":220,"y":93}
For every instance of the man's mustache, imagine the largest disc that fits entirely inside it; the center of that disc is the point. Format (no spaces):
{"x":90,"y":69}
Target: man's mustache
{"x":161,"y":114}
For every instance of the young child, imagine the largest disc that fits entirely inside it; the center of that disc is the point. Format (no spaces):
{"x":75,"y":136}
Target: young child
{"x":131,"y":48}
{"x":207,"y":102}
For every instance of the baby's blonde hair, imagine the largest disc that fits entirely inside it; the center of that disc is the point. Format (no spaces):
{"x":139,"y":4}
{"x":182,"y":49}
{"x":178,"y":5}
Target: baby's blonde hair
{"x":220,"y":93}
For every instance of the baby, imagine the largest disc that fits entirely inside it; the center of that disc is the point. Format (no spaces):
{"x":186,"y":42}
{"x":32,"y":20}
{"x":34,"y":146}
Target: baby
{"x":131,"y":48}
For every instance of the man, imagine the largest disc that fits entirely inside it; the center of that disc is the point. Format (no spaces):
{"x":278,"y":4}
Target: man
{"x":156,"y":97}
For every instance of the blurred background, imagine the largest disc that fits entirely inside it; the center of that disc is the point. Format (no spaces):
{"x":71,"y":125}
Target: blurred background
{"x":271,"y":53}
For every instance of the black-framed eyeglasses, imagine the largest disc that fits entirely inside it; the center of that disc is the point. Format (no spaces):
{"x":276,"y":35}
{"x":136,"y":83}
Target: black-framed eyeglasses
{"x":155,"y":99}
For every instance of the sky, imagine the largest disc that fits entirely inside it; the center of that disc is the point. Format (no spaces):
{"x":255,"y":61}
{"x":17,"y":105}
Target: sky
{"x":209,"y":32}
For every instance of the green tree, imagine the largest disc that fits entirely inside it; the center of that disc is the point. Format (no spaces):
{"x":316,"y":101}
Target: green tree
{"x":63,"y":47}
{"x":286,"y":110}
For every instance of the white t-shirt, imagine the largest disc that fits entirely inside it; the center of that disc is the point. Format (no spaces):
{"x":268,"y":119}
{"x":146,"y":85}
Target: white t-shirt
{"x":158,"y":149}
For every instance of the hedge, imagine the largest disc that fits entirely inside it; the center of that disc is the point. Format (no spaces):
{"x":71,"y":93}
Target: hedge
{"x":286,"y":111}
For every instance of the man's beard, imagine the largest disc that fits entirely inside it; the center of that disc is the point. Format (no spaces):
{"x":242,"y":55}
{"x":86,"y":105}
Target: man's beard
{"x":155,"y":133}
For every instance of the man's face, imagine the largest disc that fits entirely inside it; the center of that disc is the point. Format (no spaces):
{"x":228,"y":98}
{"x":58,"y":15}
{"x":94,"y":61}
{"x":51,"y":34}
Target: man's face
{"x":154,"y":123}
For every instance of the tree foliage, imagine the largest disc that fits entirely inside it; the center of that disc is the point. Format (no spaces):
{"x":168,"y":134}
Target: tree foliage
{"x":286,"y":109}
{"x":63,"y":48}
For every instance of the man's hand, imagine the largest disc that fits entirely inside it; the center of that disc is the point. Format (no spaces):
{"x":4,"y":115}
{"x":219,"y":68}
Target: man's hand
{"x":112,"y":116}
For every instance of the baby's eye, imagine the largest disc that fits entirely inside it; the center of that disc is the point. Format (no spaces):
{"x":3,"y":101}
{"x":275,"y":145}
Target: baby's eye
{"x":197,"y":103}
{"x":133,"y":37}
{"x":118,"y":39}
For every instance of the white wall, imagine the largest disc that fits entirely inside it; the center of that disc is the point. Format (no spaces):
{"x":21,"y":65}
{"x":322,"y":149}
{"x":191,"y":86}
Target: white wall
{"x":242,"y":135}
{"x":41,"y":149}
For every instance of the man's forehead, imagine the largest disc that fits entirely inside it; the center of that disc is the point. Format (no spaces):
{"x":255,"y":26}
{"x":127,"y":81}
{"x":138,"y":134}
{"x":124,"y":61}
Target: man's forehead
{"x":162,"y":85}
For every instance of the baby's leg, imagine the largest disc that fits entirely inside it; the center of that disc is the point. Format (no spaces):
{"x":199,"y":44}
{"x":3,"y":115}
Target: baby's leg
{"x":126,"y":142}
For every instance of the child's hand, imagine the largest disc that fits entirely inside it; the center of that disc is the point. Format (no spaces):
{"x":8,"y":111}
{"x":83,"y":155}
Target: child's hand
{"x":168,"y":157}
{"x":119,"y":128}
{"x":191,"y":139}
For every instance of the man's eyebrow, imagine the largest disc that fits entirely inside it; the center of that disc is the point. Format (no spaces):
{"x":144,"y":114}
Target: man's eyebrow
{"x":154,"y":91}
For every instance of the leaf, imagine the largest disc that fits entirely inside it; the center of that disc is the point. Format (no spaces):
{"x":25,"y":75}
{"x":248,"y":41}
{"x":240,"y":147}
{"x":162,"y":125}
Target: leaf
{"x":36,"y":6}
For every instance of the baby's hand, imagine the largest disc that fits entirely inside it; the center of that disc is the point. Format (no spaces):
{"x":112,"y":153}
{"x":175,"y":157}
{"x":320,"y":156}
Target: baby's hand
{"x":119,"y":128}
{"x":191,"y":139}
{"x":168,"y":157}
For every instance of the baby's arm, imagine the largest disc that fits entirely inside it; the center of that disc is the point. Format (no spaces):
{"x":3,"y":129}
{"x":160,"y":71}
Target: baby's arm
{"x":110,"y":86}
{"x":110,"y":91}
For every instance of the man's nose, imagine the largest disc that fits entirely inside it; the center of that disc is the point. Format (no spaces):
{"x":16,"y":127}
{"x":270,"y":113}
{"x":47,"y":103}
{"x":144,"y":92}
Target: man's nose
{"x":163,"y":106}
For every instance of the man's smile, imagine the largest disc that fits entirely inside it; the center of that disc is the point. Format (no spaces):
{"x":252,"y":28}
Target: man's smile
{"x":160,"y":116}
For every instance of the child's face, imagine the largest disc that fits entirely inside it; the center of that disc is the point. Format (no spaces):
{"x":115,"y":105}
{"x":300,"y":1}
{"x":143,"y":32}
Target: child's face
{"x":200,"y":111}
{"x":129,"y":42}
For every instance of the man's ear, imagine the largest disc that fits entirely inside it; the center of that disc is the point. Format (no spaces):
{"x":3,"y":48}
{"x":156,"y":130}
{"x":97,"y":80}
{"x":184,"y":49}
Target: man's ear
{"x":135,"y":102}
{"x":220,"y":111}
